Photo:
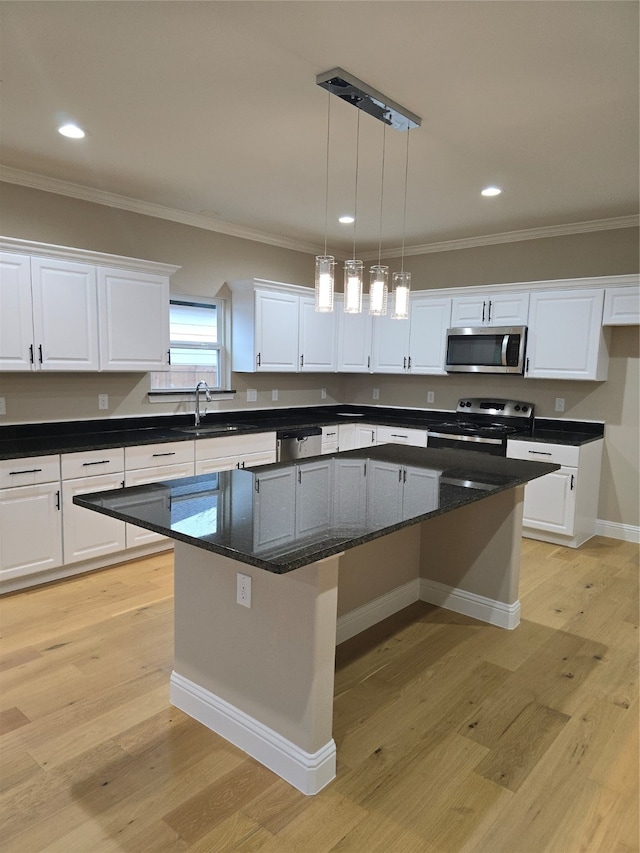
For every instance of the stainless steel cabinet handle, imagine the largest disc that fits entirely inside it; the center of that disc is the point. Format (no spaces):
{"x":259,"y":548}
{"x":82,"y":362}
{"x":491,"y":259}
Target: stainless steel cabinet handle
{"x":31,"y":353}
{"x":257,"y":487}
{"x":404,"y":475}
{"x":168,"y":356}
{"x":258,"y":359}
{"x":483,"y":305}
{"x":26,"y":471}
{"x":409,"y":363}
{"x":368,"y":362}
{"x":489,"y":317}
{"x":398,"y":435}
{"x":540,"y":453}
{"x":404,"y":363}
{"x":399,"y":475}
{"x":58,"y":500}
{"x":101,"y":462}
{"x":572,"y":480}
{"x":168,"y":453}
{"x":302,"y":361}
{"x":299,"y":475}
{"x":40,"y":352}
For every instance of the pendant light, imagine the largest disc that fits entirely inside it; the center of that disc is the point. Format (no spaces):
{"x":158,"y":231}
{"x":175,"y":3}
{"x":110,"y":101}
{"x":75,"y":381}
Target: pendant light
{"x":325,"y":264}
{"x":352,"y":268}
{"x":402,"y":279}
{"x":379,"y":274}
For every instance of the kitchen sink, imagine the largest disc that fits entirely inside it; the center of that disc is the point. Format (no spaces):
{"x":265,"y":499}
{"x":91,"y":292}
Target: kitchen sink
{"x":212,"y":429}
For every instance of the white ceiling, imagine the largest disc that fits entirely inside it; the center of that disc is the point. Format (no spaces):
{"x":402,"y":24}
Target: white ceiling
{"x":211,"y":108}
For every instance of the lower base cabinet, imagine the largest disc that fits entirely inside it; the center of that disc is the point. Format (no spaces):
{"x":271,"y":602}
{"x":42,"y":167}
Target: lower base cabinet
{"x":136,"y":536}
{"x":31,"y":530}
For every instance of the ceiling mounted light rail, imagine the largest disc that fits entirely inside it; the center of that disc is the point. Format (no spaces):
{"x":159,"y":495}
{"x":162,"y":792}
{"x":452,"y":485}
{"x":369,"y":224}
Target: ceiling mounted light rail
{"x":366,"y":98}
{"x":354,"y":91}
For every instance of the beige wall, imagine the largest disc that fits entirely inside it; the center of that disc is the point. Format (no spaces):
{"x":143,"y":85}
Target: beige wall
{"x":209,"y":259}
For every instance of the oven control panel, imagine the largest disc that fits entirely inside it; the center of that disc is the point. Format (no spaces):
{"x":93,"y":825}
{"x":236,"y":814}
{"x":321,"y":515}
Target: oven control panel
{"x":497,"y":408}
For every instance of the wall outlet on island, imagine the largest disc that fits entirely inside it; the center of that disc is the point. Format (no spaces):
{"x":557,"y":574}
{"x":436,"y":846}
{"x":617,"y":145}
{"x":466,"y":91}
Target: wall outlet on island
{"x":103,"y":401}
{"x":252,"y":395}
{"x":431,"y":397}
{"x":559,"y":404}
{"x":243,"y":594}
{"x":376,"y":393}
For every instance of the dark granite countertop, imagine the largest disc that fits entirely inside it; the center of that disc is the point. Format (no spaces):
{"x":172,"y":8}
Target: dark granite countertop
{"x":344,"y":499}
{"x":23,"y":440}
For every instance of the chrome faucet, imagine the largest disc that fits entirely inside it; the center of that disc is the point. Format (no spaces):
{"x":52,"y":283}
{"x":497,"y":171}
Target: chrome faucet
{"x":201,"y":386}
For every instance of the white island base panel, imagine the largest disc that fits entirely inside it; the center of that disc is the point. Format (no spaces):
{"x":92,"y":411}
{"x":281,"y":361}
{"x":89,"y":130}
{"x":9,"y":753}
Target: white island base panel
{"x":263,"y":677}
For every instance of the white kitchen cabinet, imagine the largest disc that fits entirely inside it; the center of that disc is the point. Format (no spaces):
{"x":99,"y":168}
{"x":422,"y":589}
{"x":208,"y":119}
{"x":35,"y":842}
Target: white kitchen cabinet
{"x":494,"y":309}
{"x":566,"y":339}
{"x":330,"y":439}
{"x":135,"y":535}
{"x":30,"y":517}
{"x":399,"y":435}
{"x":420,"y":492}
{"x":264,"y":329}
{"x":316,"y":337}
{"x":390,"y":345}
{"x":87,"y":534}
{"x":354,"y":339}
{"x":364,"y":436}
{"x":562,"y":506}
{"x":622,"y":306}
{"x":274,"y":509}
{"x":430,"y":317}
{"x":49,"y":314}
{"x":349,"y":483}
{"x":384,"y":493}
{"x":314,"y":497}
{"x":234,"y":451}
{"x":134,"y":320}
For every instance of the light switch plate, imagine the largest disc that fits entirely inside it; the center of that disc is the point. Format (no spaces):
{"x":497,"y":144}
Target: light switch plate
{"x":559,"y":404}
{"x":431,"y":397}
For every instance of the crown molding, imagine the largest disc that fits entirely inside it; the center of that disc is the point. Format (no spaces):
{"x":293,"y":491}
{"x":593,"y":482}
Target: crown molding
{"x":146,"y":208}
{"x":208,"y":223}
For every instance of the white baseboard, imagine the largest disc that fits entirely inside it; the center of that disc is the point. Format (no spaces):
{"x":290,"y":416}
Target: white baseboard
{"x":308,"y":772}
{"x":614,"y":530}
{"x":468,"y":603}
{"x":375,"y":611}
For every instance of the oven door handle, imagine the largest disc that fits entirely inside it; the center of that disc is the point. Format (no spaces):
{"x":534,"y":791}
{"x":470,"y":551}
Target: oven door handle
{"x":505,"y":344}
{"x":452,"y":437}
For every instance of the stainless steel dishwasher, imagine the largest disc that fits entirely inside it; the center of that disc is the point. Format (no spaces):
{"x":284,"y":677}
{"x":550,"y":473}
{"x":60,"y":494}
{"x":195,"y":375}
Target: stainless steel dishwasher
{"x":299,"y":442}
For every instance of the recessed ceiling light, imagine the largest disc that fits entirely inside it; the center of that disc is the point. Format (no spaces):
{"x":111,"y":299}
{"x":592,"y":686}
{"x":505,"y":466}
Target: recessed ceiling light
{"x":489,"y":191}
{"x":71,"y":131}
{"x":346,"y":220}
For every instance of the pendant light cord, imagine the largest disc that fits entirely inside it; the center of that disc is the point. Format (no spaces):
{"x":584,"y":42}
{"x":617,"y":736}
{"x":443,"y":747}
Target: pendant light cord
{"x":355,"y":202}
{"x":404,"y":213}
{"x":384,"y":139}
{"x":326,"y":188}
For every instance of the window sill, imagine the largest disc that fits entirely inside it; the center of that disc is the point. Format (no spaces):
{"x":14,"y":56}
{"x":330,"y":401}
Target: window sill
{"x":183,"y":395}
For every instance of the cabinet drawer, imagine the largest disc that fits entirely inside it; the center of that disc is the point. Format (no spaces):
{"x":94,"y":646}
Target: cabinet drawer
{"x":398,"y":435}
{"x":152,"y":455}
{"x":235,"y":445}
{"x":142,"y":476}
{"x":90,"y":463}
{"x":29,"y":471}
{"x":538,"y":451}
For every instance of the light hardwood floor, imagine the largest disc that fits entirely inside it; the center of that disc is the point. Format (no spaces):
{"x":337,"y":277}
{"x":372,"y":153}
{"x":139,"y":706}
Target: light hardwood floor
{"x":452,"y":735}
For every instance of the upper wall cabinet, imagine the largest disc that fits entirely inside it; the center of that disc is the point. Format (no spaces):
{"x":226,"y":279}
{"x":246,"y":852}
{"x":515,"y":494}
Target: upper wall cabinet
{"x":48,"y":314}
{"x":67,"y":310}
{"x":566,"y":338}
{"x":354,"y":338}
{"x":497,"y":309}
{"x":134,"y":320}
{"x":277,"y":330}
{"x":622,"y":306}
{"x":415,"y":345}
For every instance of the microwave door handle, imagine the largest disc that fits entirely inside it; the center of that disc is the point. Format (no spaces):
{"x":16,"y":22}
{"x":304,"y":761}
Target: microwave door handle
{"x":505,"y":343}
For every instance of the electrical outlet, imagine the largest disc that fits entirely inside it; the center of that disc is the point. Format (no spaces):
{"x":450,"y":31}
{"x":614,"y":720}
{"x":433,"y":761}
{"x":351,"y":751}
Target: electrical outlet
{"x":103,"y":401}
{"x":559,"y":404}
{"x":274,"y":395}
{"x":323,"y":393}
{"x":376,"y":393}
{"x":431,"y":397}
{"x":252,"y":395}
{"x":3,"y":405}
{"x":243,"y":593}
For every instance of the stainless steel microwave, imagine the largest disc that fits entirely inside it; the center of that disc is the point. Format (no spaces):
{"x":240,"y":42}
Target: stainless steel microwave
{"x":486,"y":349}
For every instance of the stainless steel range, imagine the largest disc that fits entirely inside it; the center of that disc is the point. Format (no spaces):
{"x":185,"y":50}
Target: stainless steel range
{"x":483,"y":424}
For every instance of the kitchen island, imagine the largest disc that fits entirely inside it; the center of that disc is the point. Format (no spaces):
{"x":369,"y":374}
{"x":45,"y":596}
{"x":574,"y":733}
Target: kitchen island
{"x":254,"y":655}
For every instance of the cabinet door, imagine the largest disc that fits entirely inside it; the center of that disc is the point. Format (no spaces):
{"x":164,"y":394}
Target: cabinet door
{"x":470,"y":310}
{"x":550,"y":502}
{"x":317,"y":337}
{"x":354,"y":339}
{"x":622,"y":306}
{"x":508,"y":309}
{"x":30,"y":530}
{"x":274,"y":516}
{"x":384,"y":493}
{"x":421,"y":492}
{"x":134,"y":320}
{"x":430,"y":319}
{"x":390,"y":347}
{"x":565,"y":335}
{"x":138,"y":535}
{"x":16,"y":312}
{"x":89,"y":534}
{"x":65,"y":315}
{"x":313,"y":498}
{"x":365,"y":436}
{"x":349,"y":493}
{"x":276,"y":331}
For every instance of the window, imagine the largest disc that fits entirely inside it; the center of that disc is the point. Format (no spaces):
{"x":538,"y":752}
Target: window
{"x":196,"y":346}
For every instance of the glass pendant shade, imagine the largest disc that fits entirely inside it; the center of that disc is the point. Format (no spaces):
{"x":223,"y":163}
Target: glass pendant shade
{"x":378,"y":288}
{"x":325,"y":269}
{"x":353,"y":287}
{"x":401,"y":291}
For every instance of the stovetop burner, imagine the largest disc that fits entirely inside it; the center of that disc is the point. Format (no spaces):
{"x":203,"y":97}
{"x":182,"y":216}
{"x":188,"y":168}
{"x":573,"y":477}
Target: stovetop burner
{"x":486,"y":420}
